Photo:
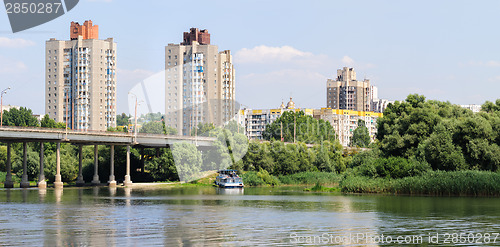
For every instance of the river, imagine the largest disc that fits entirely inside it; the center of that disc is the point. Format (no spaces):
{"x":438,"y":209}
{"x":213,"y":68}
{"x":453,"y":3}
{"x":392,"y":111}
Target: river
{"x":197,"y":216}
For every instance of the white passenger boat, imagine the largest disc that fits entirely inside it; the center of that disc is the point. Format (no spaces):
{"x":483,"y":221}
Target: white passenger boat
{"x":229,"y":179}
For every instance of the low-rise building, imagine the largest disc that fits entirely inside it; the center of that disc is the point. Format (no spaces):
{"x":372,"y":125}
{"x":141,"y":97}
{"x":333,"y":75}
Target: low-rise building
{"x":344,"y":122}
{"x":474,"y":108}
{"x":255,"y":121}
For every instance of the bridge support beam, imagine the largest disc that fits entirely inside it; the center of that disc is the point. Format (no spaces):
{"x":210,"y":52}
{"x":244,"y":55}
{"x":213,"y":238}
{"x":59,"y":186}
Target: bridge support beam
{"x":112,"y":181}
{"x":24,"y":181}
{"x":58,"y":184}
{"x":96,"y":181}
{"x":79,"y":180}
{"x":41,"y":178}
{"x":8,"y":177}
{"x":127,"y":180}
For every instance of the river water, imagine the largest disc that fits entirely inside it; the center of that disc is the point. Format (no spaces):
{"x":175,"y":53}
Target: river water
{"x":207,"y":216}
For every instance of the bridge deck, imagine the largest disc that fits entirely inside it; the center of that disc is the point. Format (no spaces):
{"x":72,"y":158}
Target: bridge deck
{"x":21,"y":134}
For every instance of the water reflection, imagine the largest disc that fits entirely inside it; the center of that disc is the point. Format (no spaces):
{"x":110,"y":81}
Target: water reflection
{"x":211,"y":216}
{"x":42,"y":193}
{"x":232,"y":191}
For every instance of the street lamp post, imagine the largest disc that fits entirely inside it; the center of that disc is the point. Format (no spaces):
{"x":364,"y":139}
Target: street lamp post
{"x":1,"y":106}
{"x":135,"y":115}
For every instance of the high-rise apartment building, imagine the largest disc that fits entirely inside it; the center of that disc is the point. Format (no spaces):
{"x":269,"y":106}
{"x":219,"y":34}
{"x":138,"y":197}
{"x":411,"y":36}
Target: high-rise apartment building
{"x":80,"y":79}
{"x":347,"y":93}
{"x":199,"y":83}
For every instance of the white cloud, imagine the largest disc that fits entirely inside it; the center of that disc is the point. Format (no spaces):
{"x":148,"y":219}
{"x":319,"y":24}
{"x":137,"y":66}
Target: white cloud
{"x":10,"y":66}
{"x":346,"y":60}
{"x":494,"y":79}
{"x":267,"y":54}
{"x":491,"y":63}
{"x":15,"y":43}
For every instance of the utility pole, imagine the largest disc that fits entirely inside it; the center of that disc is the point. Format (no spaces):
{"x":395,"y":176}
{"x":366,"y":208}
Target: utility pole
{"x":294,"y":125}
{"x":281,"y":131}
{"x":66,"y":118}
{"x":135,"y":115}
{"x":1,"y":105}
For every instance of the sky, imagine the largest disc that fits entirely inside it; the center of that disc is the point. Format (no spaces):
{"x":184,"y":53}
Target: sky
{"x":445,"y":50}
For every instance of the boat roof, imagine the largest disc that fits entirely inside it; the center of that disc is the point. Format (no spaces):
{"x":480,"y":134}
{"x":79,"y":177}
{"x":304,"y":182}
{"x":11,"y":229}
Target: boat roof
{"x":228,"y":170}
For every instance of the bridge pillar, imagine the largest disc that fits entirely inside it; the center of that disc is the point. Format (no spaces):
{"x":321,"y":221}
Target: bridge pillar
{"x":112,"y":181}
{"x":8,"y":177}
{"x":58,"y":180}
{"x":24,"y":181}
{"x":79,"y":180}
{"x":41,"y":178}
{"x":157,"y":152}
{"x":127,"y":180}
{"x":96,"y":181}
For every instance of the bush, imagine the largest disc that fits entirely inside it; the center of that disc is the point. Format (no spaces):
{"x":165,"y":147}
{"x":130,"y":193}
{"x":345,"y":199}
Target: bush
{"x":392,"y":167}
{"x":261,"y":178}
{"x":398,"y":167}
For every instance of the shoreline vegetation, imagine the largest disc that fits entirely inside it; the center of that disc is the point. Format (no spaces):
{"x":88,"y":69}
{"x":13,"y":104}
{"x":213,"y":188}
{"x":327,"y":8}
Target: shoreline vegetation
{"x":422,"y":147}
{"x":431,"y":183}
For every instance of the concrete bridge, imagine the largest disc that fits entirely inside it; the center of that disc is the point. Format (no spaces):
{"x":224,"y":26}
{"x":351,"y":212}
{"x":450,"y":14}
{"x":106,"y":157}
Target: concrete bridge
{"x":11,"y":135}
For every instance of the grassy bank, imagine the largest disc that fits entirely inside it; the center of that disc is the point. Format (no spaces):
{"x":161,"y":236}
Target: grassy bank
{"x":320,"y":188}
{"x":263,"y":178}
{"x":455,"y":183}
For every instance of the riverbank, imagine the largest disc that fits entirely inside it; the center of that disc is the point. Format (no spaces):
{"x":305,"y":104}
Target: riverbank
{"x":435,"y":183}
{"x":438,"y":183}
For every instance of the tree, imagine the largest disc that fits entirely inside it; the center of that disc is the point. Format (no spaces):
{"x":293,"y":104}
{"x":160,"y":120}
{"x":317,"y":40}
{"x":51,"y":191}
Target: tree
{"x":360,"y":136}
{"x":406,"y":124}
{"x":446,"y":136}
{"x":258,"y":157}
{"x":122,"y":119}
{"x":440,"y":151}
{"x":157,"y":128}
{"x":188,"y":161}
{"x":306,"y":128}
{"x":22,"y":117}
{"x":152,"y":128}
{"x":234,"y":127}
{"x":163,"y":168}
{"x":491,"y":107}
{"x":47,"y":122}
{"x":203,"y":129}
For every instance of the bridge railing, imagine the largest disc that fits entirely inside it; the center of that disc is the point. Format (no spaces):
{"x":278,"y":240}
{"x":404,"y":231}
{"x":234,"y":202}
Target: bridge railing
{"x":97,"y":132}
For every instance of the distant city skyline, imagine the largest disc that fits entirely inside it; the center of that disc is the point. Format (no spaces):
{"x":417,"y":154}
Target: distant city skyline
{"x":285,"y":48}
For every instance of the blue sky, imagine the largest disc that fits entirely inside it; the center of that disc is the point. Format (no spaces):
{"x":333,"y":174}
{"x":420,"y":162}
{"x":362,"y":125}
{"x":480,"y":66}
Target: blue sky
{"x":446,"y":50}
